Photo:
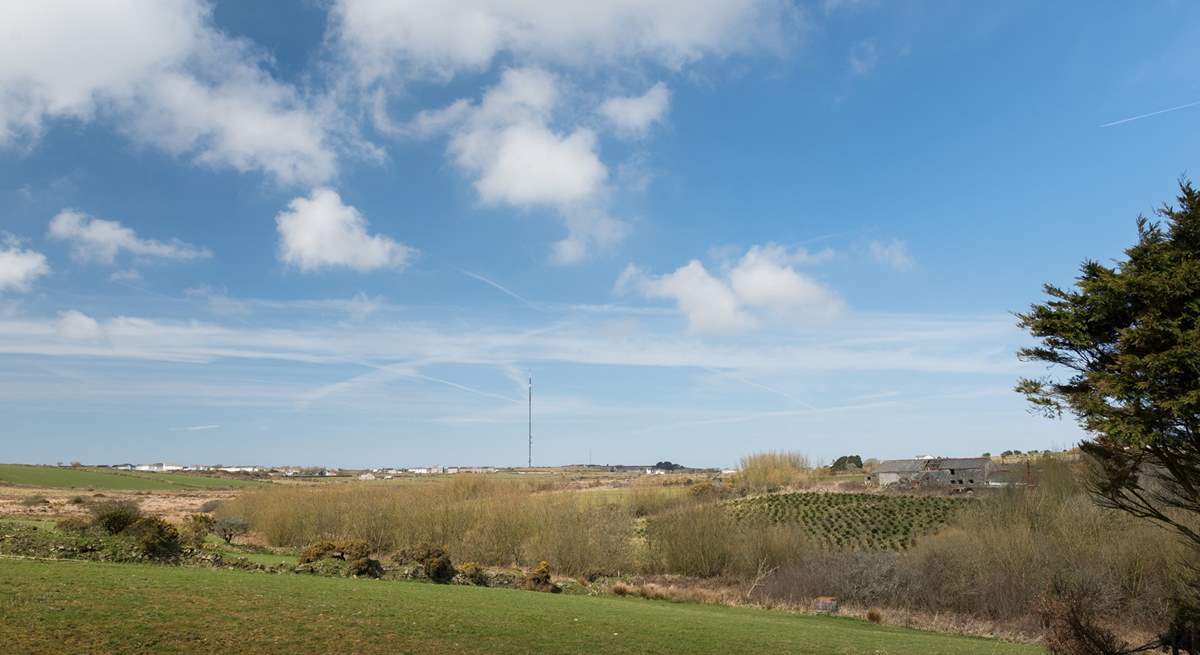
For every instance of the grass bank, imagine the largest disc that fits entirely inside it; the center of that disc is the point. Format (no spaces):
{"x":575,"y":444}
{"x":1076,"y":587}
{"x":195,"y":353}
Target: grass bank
{"x":52,"y":607}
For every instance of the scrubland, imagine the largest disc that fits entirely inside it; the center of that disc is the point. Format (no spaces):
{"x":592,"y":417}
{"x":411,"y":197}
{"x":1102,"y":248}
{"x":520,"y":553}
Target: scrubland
{"x":990,"y":560}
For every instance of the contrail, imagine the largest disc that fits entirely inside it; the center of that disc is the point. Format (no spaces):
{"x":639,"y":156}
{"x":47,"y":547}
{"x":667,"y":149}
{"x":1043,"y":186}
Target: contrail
{"x":761,"y":386}
{"x":1153,"y":113}
{"x":501,"y":289}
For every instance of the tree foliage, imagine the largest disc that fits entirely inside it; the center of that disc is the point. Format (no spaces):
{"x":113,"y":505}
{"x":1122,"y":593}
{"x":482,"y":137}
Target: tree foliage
{"x":231,"y":527}
{"x":1129,"y":335}
{"x":846,"y":463}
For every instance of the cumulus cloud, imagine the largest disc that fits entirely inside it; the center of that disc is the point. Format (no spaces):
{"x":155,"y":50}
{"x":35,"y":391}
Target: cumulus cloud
{"x":77,"y":326}
{"x":505,"y":143}
{"x":164,"y":75}
{"x":438,"y":39}
{"x":521,"y":145}
{"x":761,"y":284}
{"x":634,"y":115}
{"x":709,"y":304}
{"x":19,"y":268}
{"x":322,"y":232}
{"x":763,"y":278}
{"x":893,"y":253}
{"x":99,"y":240}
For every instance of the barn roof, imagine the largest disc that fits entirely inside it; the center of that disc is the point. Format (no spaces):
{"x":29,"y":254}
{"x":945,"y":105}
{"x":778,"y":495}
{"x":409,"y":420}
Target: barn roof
{"x":937,"y":464}
{"x":963,"y":462}
{"x":901,"y":466}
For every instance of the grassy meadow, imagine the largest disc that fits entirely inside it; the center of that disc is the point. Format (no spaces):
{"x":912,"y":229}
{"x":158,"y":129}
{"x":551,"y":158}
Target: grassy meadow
{"x":52,"y":607}
{"x":55,"y":477}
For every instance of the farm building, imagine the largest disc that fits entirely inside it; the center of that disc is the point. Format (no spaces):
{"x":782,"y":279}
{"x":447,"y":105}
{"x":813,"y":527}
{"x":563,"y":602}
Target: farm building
{"x":934,"y":471}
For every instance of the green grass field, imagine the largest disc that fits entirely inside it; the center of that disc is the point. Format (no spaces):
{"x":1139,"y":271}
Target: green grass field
{"x":67,"y":606}
{"x":53,"y":477}
{"x":862,"y":521}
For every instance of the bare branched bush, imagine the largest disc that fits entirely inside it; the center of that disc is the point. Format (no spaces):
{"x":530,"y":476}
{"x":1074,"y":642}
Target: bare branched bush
{"x":475,"y":518}
{"x":773,"y":471}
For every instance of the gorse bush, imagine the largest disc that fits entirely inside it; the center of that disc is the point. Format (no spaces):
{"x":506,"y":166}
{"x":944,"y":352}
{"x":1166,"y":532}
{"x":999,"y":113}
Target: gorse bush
{"x":317,"y":551}
{"x":355,"y":553}
{"x":538,"y":579}
{"x":196,"y":528}
{"x":114,"y":516}
{"x":156,"y":538}
{"x":474,"y":573}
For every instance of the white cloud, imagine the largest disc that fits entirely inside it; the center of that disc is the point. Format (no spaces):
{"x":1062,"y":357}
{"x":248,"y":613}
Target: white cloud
{"x":709,"y":304}
{"x":19,"y":268}
{"x":506,"y":145}
{"x":519,"y":145}
{"x":321,"y":232}
{"x":762,"y":281}
{"x":438,"y":39}
{"x":893,"y":253}
{"x":528,"y":164}
{"x":100,"y":240}
{"x":164,"y":75}
{"x":863,"y":58}
{"x":77,"y":326}
{"x":634,"y":115}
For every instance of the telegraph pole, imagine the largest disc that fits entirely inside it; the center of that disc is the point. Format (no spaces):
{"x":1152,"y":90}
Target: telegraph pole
{"x":530,"y":462}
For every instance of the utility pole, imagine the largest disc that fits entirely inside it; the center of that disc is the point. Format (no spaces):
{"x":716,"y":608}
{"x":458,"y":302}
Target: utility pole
{"x":530,"y":463}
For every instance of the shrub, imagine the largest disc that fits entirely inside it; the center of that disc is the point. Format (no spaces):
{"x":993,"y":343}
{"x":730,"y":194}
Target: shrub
{"x":365,"y":567}
{"x":156,"y":538}
{"x":437,"y":565}
{"x":620,"y":589}
{"x":698,"y":541}
{"x":473,"y":573}
{"x":1070,"y":620}
{"x":771,"y":471}
{"x":73,"y":524}
{"x":77,"y":500}
{"x":230,"y":527}
{"x":538,"y":579}
{"x":353,"y":550}
{"x":577,"y":538}
{"x":116,"y":515}
{"x":316,"y":551}
{"x":196,"y":527}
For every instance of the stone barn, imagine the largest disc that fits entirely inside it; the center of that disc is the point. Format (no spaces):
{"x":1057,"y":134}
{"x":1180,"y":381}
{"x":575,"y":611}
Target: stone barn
{"x":955,"y":472}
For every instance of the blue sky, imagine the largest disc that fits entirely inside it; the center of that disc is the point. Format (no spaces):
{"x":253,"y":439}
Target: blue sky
{"x":343,"y":233}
